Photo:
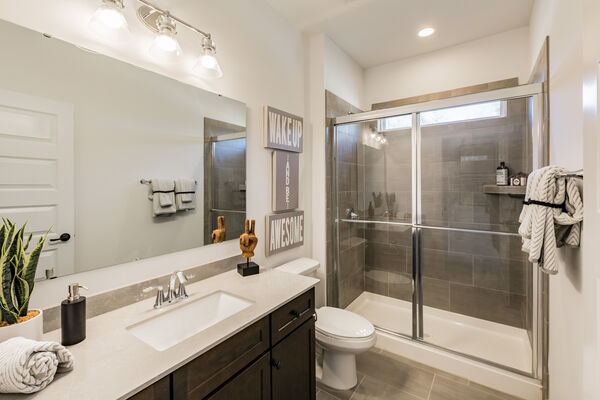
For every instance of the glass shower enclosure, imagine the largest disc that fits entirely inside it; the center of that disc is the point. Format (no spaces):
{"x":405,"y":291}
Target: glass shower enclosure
{"x":425,"y":244}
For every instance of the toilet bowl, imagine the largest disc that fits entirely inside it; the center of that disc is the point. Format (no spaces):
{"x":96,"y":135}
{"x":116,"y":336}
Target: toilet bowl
{"x":340,"y":334}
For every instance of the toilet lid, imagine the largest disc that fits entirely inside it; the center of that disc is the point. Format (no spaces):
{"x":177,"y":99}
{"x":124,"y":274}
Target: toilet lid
{"x":343,"y":323}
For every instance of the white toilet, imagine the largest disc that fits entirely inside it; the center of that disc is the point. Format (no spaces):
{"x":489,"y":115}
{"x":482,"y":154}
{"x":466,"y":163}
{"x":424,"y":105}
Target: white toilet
{"x":341,"y":335}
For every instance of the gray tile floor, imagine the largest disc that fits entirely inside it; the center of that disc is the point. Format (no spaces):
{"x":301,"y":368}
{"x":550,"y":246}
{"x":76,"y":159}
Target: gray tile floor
{"x":383,"y":375}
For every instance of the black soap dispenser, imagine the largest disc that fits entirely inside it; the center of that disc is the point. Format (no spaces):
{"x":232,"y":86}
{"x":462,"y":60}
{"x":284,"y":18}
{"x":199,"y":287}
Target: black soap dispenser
{"x":72,"y":316}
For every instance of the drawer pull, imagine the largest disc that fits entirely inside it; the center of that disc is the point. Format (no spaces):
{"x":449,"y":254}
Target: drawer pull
{"x":296,"y":316}
{"x":275,"y":363}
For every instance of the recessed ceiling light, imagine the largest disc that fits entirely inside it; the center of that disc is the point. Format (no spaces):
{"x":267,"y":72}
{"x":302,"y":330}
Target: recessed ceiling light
{"x":426,"y":32}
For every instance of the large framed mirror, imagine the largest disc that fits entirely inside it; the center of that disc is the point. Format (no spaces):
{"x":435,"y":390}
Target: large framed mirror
{"x":94,"y":149}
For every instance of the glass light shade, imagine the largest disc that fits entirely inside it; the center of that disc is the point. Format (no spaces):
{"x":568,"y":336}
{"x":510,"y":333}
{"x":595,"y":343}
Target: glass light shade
{"x":208,"y":66}
{"x":165,"y":47}
{"x":109,"y":23}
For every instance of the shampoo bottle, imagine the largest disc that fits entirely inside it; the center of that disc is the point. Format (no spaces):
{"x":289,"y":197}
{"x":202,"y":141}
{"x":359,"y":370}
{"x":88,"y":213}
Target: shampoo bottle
{"x":72,"y":316}
{"x":502,"y":175}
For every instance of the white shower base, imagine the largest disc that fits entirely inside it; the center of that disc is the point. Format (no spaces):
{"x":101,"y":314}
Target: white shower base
{"x":498,"y":343}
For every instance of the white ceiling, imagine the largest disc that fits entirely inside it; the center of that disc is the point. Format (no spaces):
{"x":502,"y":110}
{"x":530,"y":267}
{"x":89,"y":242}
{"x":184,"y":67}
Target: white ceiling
{"x":375,"y":32}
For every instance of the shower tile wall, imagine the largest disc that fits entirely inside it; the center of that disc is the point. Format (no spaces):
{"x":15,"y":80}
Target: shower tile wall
{"x":479,"y":275}
{"x":225,"y":181}
{"x":350,"y":279}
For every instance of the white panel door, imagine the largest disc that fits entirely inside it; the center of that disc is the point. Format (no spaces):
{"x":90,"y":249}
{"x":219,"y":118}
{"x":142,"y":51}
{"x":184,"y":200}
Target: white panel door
{"x":36,"y":173}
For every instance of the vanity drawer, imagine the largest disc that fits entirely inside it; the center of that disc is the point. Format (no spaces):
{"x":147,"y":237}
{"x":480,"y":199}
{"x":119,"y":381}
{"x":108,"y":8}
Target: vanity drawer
{"x":290,"y":316}
{"x":201,"y":376}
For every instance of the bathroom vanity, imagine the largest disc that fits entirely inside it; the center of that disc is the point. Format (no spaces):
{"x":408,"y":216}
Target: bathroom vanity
{"x":265,"y":350}
{"x":274,"y":358}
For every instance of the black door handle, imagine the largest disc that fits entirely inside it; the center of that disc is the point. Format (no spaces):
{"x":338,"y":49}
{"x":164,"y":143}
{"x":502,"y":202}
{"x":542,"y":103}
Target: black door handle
{"x":63,"y":238}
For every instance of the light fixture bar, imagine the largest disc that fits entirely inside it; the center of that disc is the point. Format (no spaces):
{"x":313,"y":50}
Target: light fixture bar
{"x":160,"y":10}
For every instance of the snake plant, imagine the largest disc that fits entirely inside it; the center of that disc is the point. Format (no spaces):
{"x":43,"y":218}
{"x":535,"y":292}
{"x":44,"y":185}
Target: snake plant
{"x":17,"y":270}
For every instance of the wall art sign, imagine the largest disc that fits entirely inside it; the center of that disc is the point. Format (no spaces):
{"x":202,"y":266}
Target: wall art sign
{"x":286,"y":167}
{"x":282,"y":130}
{"x":284,"y":231}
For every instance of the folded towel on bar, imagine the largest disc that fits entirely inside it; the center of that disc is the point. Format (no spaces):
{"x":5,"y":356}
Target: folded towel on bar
{"x":551,"y":216}
{"x":163,"y":196}
{"x":27,"y":366}
{"x":185,"y":194}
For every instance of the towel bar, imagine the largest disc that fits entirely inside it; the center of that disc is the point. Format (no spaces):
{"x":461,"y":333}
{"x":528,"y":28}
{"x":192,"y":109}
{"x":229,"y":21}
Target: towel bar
{"x":573,"y":174}
{"x":145,"y":181}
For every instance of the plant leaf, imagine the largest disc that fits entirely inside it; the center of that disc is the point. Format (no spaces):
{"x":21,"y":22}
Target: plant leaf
{"x":9,"y":309}
{"x":28,"y":241}
{"x":28,"y":272}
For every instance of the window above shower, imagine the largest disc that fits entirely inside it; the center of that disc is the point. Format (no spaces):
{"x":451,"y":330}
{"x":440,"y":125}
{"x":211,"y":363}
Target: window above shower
{"x":469,"y":112}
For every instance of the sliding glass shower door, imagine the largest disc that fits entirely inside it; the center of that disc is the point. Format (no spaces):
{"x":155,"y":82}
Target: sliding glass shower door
{"x":475,"y":277}
{"x":427,"y":244}
{"x":374,"y":214}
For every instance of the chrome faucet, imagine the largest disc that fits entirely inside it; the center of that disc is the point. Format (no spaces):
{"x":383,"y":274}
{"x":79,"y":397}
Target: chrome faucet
{"x":181,"y":293}
{"x":171,"y":295}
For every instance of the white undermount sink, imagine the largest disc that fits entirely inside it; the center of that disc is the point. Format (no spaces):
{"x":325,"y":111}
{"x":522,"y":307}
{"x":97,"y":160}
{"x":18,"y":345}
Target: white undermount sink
{"x":171,"y":327}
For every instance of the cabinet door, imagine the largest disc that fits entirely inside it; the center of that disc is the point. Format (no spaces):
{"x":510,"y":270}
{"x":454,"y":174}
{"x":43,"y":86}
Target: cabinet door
{"x":293,"y":365}
{"x":160,"y":390}
{"x":201,"y":376}
{"x":253,"y":383}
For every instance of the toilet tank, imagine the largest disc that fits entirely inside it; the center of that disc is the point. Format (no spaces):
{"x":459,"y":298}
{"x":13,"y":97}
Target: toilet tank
{"x":300,"y":266}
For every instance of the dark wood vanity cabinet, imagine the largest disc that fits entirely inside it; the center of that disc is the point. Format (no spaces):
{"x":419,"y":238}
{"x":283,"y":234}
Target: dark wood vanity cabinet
{"x":293,"y":370}
{"x":274,"y":358}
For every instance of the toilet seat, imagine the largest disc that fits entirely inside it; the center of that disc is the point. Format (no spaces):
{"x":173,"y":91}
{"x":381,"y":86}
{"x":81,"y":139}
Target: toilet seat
{"x":337,"y":323}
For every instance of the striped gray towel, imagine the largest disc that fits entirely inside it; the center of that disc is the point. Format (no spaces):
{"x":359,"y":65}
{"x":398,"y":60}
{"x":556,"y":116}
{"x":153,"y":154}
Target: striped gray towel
{"x":554,"y":223}
{"x":27,"y":366}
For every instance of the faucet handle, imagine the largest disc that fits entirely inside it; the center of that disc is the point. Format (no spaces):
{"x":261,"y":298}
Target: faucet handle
{"x":160,"y":296}
{"x":181,"y":293}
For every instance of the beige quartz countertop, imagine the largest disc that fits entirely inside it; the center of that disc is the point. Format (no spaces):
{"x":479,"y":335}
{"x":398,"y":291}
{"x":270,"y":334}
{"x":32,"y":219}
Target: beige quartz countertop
{"x":111,"y":363}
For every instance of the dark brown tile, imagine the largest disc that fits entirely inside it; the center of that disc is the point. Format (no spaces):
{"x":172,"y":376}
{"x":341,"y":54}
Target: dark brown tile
{"x":376,"y":281}
{"x":453,"y":267}
{"x":436,"y":293}
{"x":400,"y":286}
{"x":501,"y":274}
{"x":491,"y":305}
{"x":350,"y":288}
{"x":434,"y":239}
{"x":386,"y":257}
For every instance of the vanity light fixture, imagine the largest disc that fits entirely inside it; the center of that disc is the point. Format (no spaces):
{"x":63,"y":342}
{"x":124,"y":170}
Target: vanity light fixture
{"x":207,"y":65}
{"x":426,"y":32}
{"x":165,"y":46}
{"x":109,"y":22}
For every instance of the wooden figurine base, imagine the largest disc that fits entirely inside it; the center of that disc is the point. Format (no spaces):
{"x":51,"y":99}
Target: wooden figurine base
{"x":247,"y":268}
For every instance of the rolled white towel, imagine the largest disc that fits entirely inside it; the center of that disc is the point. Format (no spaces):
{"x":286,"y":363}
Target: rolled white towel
{"x":27,"y":366}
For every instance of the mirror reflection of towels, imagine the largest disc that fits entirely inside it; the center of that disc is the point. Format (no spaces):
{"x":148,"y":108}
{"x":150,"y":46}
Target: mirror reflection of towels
{"x":185,"y":194}
{"x":163,"y":197}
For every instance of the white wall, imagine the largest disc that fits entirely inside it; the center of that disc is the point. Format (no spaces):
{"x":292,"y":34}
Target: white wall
{"x":492,"y":58}
{"x":262,"y":59}
{"x":328,"y":68}
{"x":571,"y":24}
{"x":342,"y":75}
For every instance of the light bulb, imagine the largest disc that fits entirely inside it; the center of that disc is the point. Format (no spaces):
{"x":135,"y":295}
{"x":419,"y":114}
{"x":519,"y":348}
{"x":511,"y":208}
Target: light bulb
{"x":109,"y":22}
{"x":426,"y":32}
{"x":373,"y":135}
{"x":207,"y":65}
{"x":165,"y":47}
